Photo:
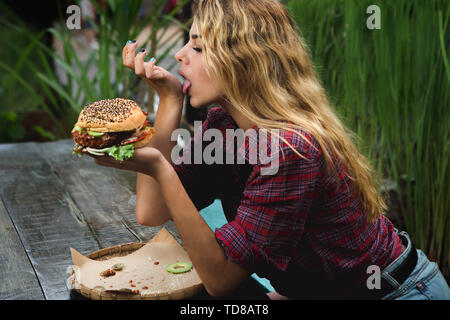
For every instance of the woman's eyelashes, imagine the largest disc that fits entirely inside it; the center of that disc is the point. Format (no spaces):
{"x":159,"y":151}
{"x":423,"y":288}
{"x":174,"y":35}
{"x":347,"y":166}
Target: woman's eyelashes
{"x":197,"y":49}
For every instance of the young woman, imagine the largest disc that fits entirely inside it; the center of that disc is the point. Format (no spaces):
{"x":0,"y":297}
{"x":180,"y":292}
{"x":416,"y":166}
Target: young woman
{"x":315,"y":228}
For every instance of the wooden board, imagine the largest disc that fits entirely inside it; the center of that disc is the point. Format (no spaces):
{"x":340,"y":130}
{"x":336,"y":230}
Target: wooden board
{"x":106,"y":196}
{"x":18,"y":280}
{"x":44,"y":215}
{"x":53,"y":201}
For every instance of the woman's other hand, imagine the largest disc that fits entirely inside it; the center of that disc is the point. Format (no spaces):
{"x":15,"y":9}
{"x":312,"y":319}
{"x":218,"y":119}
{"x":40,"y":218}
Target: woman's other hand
{"x":164,"y":83}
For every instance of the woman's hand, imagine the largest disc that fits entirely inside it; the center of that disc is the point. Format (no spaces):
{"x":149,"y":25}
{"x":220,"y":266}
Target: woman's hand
{"x":164,"y":83}
{"x":146,"y":160}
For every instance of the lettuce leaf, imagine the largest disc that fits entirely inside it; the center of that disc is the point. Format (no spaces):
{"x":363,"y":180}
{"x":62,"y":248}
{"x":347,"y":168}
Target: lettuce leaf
{"x":77,"y":150}
{"x":77,"y":153}
{"x":121,"y":153}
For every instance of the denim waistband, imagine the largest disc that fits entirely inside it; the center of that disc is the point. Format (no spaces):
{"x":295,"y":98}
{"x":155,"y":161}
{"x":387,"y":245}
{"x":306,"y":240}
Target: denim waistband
{"x":386,"y":273}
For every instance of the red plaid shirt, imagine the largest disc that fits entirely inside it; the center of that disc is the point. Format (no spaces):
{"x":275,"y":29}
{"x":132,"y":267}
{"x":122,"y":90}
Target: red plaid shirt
{"x":295,"y":227}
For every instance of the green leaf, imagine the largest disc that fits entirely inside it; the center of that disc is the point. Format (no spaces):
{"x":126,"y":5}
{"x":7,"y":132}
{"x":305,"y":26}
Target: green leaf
{"x":31,"y":91}
{"x":16,"y":132}
{"x":11,"y":116}
{"x":44,"y":133}
{"x":121,"y":153}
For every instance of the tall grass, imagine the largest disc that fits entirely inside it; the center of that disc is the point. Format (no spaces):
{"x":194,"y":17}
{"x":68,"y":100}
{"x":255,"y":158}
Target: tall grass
{"x":118,"y":22}
{"x":392,"y":87}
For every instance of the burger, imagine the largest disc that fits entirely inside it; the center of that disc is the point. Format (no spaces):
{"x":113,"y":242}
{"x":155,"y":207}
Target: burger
{"x":114,"y":127}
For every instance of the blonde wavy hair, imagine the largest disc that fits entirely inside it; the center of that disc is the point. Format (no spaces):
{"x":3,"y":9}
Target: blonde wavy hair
{"x":255,"y":50}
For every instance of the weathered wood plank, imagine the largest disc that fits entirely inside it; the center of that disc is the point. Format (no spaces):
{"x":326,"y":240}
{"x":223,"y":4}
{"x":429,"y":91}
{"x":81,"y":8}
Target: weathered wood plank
{"x":47,"y":220}
{"x":57,"y":201}
{"x":17,"y":277}
{"x":106,"y":196}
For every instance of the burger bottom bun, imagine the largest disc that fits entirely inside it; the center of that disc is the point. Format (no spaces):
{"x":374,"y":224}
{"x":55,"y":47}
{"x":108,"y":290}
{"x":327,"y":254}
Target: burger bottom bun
{"x":146,"y":140}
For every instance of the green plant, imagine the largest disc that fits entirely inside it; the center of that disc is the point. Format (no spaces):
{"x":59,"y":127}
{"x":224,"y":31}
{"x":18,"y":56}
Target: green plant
{"x":15,"y":98}
{"x":392,"y":87}
{"x":118,"y":22}
{"x":11,"y":130}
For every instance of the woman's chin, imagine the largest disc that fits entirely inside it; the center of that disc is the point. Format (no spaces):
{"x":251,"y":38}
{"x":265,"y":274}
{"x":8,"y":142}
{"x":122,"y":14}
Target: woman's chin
{"x":192,"y":103}
{"x":198,"y":104}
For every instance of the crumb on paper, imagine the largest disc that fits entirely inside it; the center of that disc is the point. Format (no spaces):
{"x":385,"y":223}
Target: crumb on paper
{"x":107,"y":273}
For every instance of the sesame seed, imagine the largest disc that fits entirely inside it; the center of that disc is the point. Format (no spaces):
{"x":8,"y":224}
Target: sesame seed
{"x":108,"y":111}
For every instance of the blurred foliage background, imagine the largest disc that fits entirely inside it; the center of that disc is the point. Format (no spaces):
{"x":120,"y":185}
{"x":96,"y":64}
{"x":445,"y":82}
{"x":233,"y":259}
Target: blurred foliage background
{"x":390,"y":86}
{"x":46,"y":83}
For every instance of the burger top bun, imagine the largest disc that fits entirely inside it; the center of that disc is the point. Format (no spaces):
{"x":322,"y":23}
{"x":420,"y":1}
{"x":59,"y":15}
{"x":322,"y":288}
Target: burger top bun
{"x":111,"y":115}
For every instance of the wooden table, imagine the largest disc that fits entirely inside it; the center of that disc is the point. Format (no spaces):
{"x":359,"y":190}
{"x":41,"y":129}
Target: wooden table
{"x":52,"y":200}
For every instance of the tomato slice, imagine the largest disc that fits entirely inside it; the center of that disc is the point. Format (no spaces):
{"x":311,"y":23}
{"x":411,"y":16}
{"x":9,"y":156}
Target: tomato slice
{"x":135,"y":139}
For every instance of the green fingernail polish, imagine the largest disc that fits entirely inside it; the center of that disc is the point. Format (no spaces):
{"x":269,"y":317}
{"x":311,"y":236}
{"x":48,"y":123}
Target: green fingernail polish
{"x":152,"y":59}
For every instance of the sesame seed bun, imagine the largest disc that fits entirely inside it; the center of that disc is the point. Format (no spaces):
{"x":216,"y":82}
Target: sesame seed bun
{"x":111,"y":115}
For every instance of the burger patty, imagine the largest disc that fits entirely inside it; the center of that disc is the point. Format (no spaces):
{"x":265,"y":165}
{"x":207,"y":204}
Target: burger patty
{"x":105,"y":141}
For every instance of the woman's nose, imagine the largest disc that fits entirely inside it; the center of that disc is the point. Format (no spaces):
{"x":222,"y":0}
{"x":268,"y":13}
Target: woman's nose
{"x":178,"y":55}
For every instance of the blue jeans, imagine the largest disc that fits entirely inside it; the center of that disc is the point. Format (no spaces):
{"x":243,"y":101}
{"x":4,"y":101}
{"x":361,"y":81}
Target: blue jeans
{"x":426,"y":282}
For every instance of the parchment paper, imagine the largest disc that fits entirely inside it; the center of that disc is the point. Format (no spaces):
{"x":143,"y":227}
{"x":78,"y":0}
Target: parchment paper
{"x":144,"y":269}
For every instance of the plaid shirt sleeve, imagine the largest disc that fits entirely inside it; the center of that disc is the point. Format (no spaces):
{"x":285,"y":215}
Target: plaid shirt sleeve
{"x":271,"y":216}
